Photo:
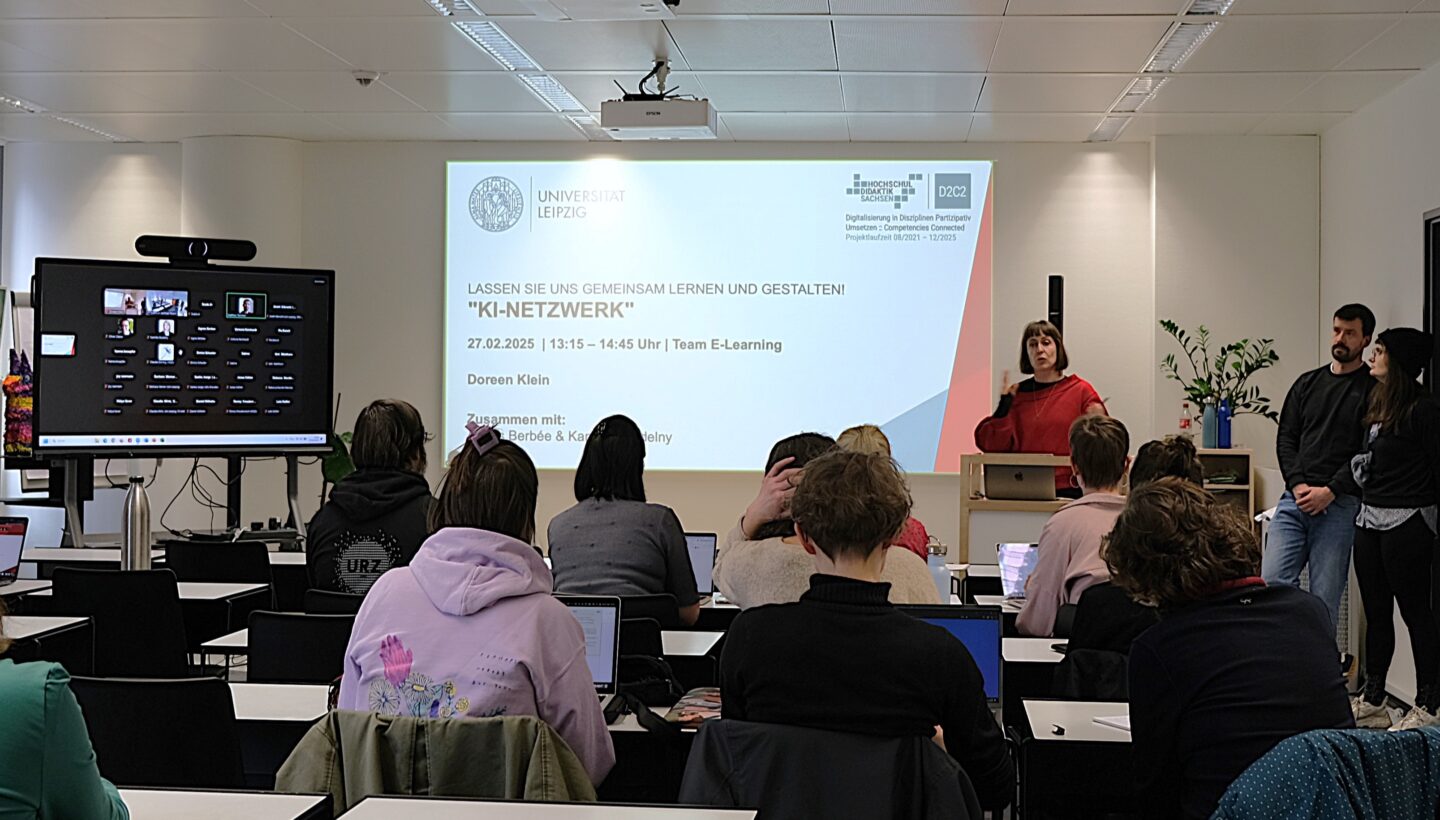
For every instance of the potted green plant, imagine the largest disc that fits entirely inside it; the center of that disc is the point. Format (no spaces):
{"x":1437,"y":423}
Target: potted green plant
{"x":1223,"y":376}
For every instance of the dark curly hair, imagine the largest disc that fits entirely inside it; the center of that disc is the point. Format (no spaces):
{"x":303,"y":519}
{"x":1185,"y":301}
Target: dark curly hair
{"x":1173,"y":456}
{"x":1175,"y":543}
{"x":802,"y":447}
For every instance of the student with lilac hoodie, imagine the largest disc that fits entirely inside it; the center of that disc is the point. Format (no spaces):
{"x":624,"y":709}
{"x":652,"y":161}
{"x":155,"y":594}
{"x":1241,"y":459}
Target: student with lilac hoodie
{"x":470,"y":628}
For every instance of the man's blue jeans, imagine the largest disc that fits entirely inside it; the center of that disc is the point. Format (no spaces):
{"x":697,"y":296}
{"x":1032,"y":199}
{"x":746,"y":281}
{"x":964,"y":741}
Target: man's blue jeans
{"x":1323,"y":541}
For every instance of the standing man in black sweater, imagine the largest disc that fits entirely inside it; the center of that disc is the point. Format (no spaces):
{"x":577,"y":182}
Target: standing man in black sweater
{"x":842,"y":658}
{"x":1321,"y":429}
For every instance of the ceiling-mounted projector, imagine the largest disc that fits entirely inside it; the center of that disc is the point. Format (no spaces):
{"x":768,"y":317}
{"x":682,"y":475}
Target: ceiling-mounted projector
{"x":658,"y":119}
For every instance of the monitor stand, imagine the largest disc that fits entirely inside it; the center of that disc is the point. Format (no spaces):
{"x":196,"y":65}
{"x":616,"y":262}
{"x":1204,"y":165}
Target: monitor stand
{"x":74,"y":533}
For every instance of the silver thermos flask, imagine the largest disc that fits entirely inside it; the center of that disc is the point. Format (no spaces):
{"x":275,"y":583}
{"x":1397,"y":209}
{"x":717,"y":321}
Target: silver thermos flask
{"x":135,"y":535}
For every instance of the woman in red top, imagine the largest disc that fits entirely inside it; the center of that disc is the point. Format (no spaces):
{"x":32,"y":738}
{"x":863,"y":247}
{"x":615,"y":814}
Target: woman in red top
{"x":1035,"y":415}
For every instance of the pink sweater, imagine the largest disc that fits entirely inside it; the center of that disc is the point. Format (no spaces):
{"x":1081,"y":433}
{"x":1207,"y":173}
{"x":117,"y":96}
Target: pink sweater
{"x":1069,"y":561}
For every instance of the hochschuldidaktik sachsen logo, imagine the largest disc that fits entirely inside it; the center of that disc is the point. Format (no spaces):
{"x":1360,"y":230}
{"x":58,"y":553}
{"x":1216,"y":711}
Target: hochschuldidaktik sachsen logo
{"x":496,"y":204}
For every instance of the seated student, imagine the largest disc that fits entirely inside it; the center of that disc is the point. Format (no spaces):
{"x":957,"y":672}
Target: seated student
{"x":1107,"y":618}
{"x":47,"y":766}
{"x":1232,"y":668}
{"x":470,"y":628}
{"x":761,"y":560}
{"x":842,"y":658}
{"x":375,"y":518}
{"x":612,"y":542}
{"x":1069,"y":560}
{"x":867,"y":438}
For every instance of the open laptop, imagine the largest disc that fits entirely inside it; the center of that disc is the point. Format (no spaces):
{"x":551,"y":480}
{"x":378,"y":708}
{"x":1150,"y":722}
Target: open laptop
{"x":702,"y":546}
{"x":12,"y":544}
{"x":1019,"y":483}
{"x":979,"y":628}
{"x":599,"y":617}
{"x":1016,"y":562}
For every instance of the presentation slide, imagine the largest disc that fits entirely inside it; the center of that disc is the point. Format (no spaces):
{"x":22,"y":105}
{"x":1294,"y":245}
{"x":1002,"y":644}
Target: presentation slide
{"x":722,"y":305}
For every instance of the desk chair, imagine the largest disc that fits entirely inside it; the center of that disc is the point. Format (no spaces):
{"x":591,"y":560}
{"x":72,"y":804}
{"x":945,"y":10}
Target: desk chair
{"x":290,"y":647}
{"x":139,"y":628}
{"x":178,"y":733}
{"x":641,"y":636}
{"x":324,"y":602}
{"x":240,"y":562}
{"x":795,"y":772}
{"x":660,"y":608}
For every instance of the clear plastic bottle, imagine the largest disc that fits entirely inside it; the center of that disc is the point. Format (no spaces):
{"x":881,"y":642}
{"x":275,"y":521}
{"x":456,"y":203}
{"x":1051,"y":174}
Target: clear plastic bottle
{"x":1187,"y":421}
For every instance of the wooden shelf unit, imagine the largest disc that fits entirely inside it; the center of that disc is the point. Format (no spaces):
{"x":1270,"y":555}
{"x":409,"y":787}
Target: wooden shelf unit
{"x":1238,"y":461}
{"x":972,"y":487}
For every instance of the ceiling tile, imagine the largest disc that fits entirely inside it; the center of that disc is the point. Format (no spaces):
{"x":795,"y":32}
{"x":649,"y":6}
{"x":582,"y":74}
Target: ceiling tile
{"x":175,"y":127}
{"x":900,"y":45}
{"x":175,"y":8}
{"x":755,"y":45}
{"x":47,"y":9}
{"x":405,"y":44}
{"x":693,"y":7}
{"x":1320,"y":6}
{"x":345,"y":8}
{"x":141,"y":92}
{"x":1291,"y":124}
{"x":1042,"y":93}
{"x":1221,"y":93}
{"x":787,"y":127}
{"x":908,"y":127}
{"x":1428,"y":5}
{"x":1146,"y":126}
{"x":1347,"y":91}
{"x":774,"y":92}
{"x":1081,"y":44}
{"x":516,"y":127}
{"x":502,"y":8}
{"x":902,"y":7}
{"x":14,"y":58}
{"x":92,"y":45}
{"x":1032,"y":127}
{"x":241,"y":45}
{"x":326,"y":91}
{"x":626,"y":46}
{"x":1285,"y":43}
{"x":465,"y":91}
{"x":1412,"y":43}
{"x":393,"y":127}
{"x":1069,"y":7}
{"x":40,"y":128}
{"x":911,"y":92}
{"x":593,"y":89}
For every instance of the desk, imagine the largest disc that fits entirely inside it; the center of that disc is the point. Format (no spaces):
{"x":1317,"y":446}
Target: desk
{"x":436,"y":808}
{"x":210,"y":608}
{"x":46,"y":559}
{"x":1031,"y":650}
{"x":1029,"y":673}
{"x":197,"y":591}
{"x":1059,"y":772}
{"x":69,"y":641}
{"x":287,"y":559}
{"x":273,"y":717}
{"x":167,"y":804}
{"x":23,"y":587}
{"x":689,"y":644}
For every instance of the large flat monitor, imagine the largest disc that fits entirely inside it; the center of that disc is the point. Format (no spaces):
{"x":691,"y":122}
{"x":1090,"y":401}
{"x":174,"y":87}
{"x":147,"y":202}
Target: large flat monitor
{"x":149,"y":359}
{"x":979,"y":628}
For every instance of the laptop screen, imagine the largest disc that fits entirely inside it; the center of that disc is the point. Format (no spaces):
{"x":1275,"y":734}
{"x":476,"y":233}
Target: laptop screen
{"x":979,"y":628}
{"x":599,"y":617}
{"x":702,"y":559}
{"x":12,"y":544}
{"x":1016,"y":561}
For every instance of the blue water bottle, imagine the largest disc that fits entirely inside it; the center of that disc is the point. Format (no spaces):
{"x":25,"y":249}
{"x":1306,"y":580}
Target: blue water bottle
{"x":1223,"y":437}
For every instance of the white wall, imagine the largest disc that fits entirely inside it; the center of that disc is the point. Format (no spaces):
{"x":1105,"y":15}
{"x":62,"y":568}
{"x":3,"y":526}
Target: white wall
{"x":1237,"y":249}
{"x":374,"y":212}
{"x":1380,"y":172}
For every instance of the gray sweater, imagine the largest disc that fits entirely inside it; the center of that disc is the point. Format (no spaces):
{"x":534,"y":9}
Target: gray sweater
{"x":753,"y":573}
{"x":617,"y":547}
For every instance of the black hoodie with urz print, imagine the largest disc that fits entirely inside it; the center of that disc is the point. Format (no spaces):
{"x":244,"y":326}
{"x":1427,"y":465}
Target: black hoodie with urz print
{"x":374,"y":521}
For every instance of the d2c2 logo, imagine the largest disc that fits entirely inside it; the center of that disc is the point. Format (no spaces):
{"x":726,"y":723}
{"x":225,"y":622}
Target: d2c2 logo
{"x":952,"y":191}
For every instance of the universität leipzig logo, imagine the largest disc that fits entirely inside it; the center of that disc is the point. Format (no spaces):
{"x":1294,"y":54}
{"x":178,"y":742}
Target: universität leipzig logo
{"x":496,"y":204}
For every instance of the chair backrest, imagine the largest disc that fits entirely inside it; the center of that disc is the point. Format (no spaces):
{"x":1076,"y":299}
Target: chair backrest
{"x":661,"y":608}
{"x":794,"y":772}
{"x":239,"y":562}
{"x":1092,"y":674}
{"x":325,"y":602}
{"x":139,"y":629}
{"x":291,"y":647}
{"x":179,"y":733}
{"x":641,"y":636}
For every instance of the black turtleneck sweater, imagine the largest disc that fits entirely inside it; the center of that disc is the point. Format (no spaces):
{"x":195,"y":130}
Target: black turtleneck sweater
{"x":844,"y":659}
